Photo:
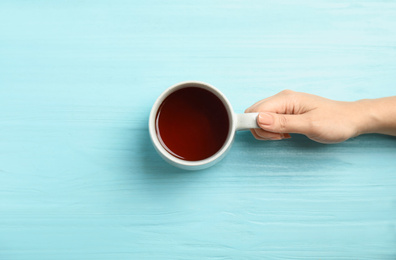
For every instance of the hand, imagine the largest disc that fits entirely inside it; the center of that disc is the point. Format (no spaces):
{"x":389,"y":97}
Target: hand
{"x":320,"y":119}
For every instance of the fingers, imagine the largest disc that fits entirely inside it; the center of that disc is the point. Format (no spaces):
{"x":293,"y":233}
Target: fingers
{"x":284,"y":113}
{"x":280,"y":123}
{"x":261,"y":134}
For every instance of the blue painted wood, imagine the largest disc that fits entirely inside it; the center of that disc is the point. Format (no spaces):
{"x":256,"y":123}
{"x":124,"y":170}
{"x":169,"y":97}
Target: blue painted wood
{"x":79,"y":178}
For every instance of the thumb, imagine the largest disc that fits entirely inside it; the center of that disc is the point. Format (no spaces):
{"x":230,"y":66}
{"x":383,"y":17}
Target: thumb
{"x":280,"y":123}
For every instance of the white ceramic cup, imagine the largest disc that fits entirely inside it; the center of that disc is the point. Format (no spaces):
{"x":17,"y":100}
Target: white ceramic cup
{"x":237,"y":122}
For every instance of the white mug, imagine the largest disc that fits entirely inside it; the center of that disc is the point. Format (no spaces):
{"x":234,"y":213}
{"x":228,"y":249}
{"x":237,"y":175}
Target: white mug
{"x":237,"y":122}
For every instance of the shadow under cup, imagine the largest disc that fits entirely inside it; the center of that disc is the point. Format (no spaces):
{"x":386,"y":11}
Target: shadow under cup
{"x":192,"y":123}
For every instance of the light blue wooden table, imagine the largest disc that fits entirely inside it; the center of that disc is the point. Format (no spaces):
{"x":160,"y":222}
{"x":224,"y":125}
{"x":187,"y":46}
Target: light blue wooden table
{"x":79,"y":178}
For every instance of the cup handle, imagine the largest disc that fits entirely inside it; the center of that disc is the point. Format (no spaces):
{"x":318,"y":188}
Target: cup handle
{"x":246,"y":121}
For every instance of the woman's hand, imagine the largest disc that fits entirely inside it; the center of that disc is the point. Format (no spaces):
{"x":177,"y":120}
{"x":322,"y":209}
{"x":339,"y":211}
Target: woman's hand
{"x":320,"y":119}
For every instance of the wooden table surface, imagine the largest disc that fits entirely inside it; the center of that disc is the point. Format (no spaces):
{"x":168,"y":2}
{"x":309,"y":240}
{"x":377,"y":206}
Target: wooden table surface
{"x":79,"y":178}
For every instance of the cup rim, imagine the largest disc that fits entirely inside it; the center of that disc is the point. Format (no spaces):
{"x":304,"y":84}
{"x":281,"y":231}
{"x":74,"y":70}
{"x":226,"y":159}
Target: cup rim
{"x":184,"y":163}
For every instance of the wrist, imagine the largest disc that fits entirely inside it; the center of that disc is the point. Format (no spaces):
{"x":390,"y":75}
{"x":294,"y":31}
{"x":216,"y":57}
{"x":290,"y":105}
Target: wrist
{"x":367,"y":120}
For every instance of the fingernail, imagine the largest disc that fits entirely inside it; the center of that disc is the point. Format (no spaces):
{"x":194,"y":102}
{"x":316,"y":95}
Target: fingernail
{"x":265,"y":119}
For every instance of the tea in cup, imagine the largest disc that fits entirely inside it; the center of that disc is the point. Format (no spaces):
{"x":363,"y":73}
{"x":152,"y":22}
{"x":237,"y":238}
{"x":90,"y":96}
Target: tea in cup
{"x":192,"y":125}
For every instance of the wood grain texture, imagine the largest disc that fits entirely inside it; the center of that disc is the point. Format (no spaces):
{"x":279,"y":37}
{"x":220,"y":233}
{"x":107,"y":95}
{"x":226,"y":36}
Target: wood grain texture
{"x":79,"y":178}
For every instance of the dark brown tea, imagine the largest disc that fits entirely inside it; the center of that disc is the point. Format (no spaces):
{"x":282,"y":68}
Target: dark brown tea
{"x":192,"y":124}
